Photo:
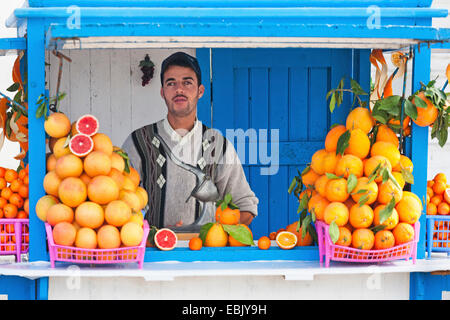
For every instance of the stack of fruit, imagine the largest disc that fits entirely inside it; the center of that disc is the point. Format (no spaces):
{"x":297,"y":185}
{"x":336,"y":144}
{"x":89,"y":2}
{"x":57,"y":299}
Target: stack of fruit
{"x":355,"y":185}
{"x":438,"y":204}
{"x":13,"y":205}
{"x":93,"y":198}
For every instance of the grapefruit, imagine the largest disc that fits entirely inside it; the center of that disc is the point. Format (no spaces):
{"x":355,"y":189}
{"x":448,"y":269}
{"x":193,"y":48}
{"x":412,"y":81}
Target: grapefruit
{"x":87,"y":124}
{"x":89,"y":214}
{"x":43,"y":204}
{"x":102,"y":143}
{"x":165,"y":239}
{"x":117,"y":213}
{"x":69,"y":165}
{"x":57,"y":125}
{"x":86,"y":238}
{"x":64,"y":233}
{"x":58,"y":213}
{"x":108,"y":237}
{"x":72,"y":191}
{"x":97,"y":163}
{"x":131,"y":234}
{"x":102,"y":189}
{"x":81,"y":145}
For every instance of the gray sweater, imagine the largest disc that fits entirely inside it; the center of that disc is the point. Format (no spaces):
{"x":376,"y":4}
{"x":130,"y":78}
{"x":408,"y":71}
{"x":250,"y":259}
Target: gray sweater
{"x":229,"y":178}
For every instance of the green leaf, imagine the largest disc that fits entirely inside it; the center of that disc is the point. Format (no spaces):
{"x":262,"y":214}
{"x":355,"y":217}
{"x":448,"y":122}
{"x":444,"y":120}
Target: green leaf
{"x":410,"y":109}
{"x":351,"y":182}
{"x":204,"y":230}
{"x":394,"y":181}
{"x":305,"y":223}
{"x":386,"y":212}
{"x":343,"y":142}
{"x":227,"y":199}
{"x":239,"y":233}
{"x":377,"y":228}
{"x":303,"y":203}
{"x":419,"y":102}
{"x":391,"y":105}
{"x":333,"y":231}
{"x":356,"y":88}
{"x":151,"y":234}
{"x":362,"y":200}
{"x":407,"y":176}
{"x":292,"y":185}
{"x":333,"y":102}
{"x":332,"y":176}
{"x":14,"y":87}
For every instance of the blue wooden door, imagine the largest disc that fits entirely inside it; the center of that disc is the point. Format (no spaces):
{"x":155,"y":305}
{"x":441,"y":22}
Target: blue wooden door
{"x":284,"y":91}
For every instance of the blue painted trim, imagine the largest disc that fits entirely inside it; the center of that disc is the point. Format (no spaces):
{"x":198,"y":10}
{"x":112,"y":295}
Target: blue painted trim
{"x":223,"y":13}
{"x":230,"y":3}
{"x":42,"y":288}
{"x":13,"y":43}
{"x":427,"y":286}
{"x":263,"y":29}
{"x":36,"y":152}
{"x":230,"y":254}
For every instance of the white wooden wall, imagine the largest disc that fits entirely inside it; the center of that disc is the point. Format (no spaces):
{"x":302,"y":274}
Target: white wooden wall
{"x":107,"y":84}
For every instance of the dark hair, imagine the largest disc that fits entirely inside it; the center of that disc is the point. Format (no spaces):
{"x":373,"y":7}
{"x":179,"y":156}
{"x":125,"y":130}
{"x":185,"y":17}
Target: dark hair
{"x":181,"y":59}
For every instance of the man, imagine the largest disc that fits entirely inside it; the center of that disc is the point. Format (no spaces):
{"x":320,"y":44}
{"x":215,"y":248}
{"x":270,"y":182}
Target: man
{"x":169,"y":185}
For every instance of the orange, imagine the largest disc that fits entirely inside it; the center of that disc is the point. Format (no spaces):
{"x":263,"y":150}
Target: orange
{"x":404,"y":163}
{"x":117,"y":213}
{"x":431,"y":209}
{"x":272,"y":235}
{"x":310,"y":177}
{"x":345,"y":237}
{"x":143,"y":195}
{"x":333,"y":136}
{"x":216,"y":236}
{"x":86,"y":238}
{"x":10,"y":211}
{"x":360,"y":118}
{"x":195,"y":243}
{"x":24,"y":191}
{"x":128,"y":184}
{"x":387,"y":191}
{"x":10,"y":175}
{"x":131,"y":234}
{"x":330,"y":161}
{"x":102,"y":189}
{"x":2,"y":172}
{"x":58,"y":213}
{"x":337,"y":212}
{"x":102,"y":143}
{"x":264,"y":243}
{"x":371,"y":164}
{"x":15,"y":185}
{"x":117,"y":176}
{"x":305,"y":241}
{"x":108,"y":237}
{"x":3,"y":201}
{"x":409,"y":208}
{"x":286,"y":240}
{"x":366,"y":189}
{"x":22,"y":215}
{"x":348,"y":164}
{"x":51,"y":183}
{"x":358,"y":144}
{"x":430,"y":183}
{"x":363,"y":239}
{"x":403,"y":233}
{"x":336,"y":190}
{"x":425,"y":116}
{"x":1,"y":215}
{"x":57,"y":125}
{"x":430,"y":192}
{"x":385,"y":133}
{"x":64,"y":234}
{"x":443,"y":208}
{"x":16,"y":200}
{"x":228,"y":215}
{"x":318,"y":204}
{"x":97,"y":163}
{"x":440,"y":176}
{"x":3,"y":183}
{"x":436,"y":199}
{"x":51,"y":162}
{"x":22,"y":173}
{"x":89,"y":214}
{"x":361,"y":216}
{"x":117,"y":162}
{"x":69,"y":165}
{"x":232,"y":242}
{"x":131,"y":198}
{"x":384,"y":239}
{"x":386,"y":149}
{"x":43,"y":204}
{"x":439,"y":187}
{"x":134,"y":176}
{"x":72,"y":191}
{"x":85,"y":178}
{"x":405,"y":125}
{"x":390,"y":222}
{"x":320,"y":185}
{"x":317,"y":161}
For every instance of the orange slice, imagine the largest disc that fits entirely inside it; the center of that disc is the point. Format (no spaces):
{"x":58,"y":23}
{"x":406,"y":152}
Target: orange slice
{"x":286,"y":240}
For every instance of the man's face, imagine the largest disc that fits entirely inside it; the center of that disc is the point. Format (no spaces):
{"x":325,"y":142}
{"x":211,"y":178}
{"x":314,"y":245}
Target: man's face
{"x":181,"y":91}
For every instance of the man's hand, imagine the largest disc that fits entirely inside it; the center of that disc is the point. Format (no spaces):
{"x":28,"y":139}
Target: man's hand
{"x":246,"y":217}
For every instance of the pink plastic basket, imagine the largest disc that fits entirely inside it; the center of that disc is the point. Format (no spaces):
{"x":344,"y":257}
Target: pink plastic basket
{"x":334,"y":252}
{"x":14,"y":237}
{"x":96,"y":256}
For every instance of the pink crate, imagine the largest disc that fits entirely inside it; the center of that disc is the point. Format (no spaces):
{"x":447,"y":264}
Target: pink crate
{"x":96,"y":256}
{"x":348,"y":254}
{"x":14,"y":237}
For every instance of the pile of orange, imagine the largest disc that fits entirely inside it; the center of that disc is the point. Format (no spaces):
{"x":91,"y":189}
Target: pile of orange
{"x":91,"y":202}
{"x":358,"y":186}
{"x":438,"y":203}
{"x":13,"y":205}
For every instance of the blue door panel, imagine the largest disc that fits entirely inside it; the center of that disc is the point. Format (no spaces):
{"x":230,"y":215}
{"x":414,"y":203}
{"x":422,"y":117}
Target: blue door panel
{"x":284,"y":90}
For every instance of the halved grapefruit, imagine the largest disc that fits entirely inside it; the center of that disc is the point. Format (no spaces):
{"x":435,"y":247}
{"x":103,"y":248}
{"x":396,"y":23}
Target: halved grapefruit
{"x":87,"y":124}
{"x":81,"y":145}
{"x":165,"y":239}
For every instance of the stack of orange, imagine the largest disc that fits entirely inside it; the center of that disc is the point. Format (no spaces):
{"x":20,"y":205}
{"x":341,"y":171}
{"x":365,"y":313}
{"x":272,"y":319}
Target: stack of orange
{"x":358,"y":187}
{"x":13,"y":204}
{"x":438,"y":203}
{"x":91,"y":201}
